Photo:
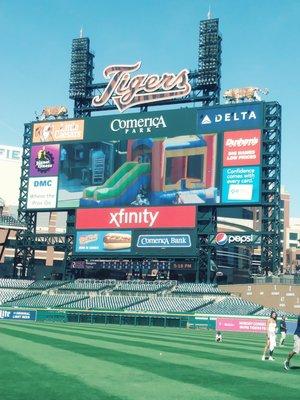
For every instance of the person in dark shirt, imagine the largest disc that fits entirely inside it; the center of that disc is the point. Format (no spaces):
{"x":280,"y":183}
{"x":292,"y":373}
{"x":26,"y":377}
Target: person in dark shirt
{"x":282,"y":330}
{"x":296,"y":349}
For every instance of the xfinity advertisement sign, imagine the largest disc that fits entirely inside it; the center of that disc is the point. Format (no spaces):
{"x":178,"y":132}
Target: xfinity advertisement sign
{"x":242,"y":238}
{"x":242,"y":116}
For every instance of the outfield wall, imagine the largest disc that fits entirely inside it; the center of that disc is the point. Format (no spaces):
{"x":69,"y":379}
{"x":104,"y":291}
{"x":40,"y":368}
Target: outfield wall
{"x":232,"y":323}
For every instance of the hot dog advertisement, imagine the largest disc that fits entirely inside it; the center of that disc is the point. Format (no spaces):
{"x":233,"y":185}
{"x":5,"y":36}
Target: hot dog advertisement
{"x":103,"y":242}
{"x":117,"y":241}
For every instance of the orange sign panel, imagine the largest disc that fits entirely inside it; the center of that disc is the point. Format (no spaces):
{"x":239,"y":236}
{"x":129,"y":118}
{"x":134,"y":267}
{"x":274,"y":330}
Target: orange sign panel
{"x":58,"y":131}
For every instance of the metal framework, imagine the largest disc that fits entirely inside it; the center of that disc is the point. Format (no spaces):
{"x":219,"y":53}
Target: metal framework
{"x":205,"y":81}
{"x":81,"y":76}
{"x":205,"y":84}
{"x":206,"y":228}
{"x":271,"y":166}
{"x":25,"y":239}
{"x":209,"y":61}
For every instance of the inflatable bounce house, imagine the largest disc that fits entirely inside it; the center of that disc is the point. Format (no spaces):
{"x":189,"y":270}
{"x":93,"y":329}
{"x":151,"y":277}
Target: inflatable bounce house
{"x":161,"y":171}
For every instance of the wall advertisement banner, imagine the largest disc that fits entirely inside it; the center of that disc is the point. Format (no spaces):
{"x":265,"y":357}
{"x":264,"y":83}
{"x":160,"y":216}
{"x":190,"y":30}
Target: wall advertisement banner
{"x":18,"y":315}
{"x":241,"y":324}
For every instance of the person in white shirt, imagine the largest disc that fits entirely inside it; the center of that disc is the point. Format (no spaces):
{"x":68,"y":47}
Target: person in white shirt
{"x":271,"y":336}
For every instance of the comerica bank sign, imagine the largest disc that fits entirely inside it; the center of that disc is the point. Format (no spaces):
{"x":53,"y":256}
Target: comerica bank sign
{"x":138,"y":125}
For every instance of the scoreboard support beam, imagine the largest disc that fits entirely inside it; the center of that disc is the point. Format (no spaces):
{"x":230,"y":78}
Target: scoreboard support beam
{"x":206,"y":228}
{"x":271,"y":246}
{"x":25,"y":239}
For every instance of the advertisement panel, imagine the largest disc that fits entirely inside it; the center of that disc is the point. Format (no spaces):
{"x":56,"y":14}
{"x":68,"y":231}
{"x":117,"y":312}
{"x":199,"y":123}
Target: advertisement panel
{"x":137,"y":242}
{"x":235,"y":239}
{"x":241,"y":185}
{"x":104,"y":242}
{"x":241,"y":148}
{"x":42,"y":193}
{"x":44,"y":160}
{"x":254,"y":325}
{"x":18,"y":315}
{"x":165,"y":242}
{"x":136,"y":217}
{"x":230,"y":117}
{"x":201,"y":156}
{"x":58,"y":131}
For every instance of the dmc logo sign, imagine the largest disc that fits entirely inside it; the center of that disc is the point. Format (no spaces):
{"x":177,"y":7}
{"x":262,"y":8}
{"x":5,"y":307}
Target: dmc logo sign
{"x":141,"y":125}
{"x":229,"y":117}
{"x":221,"y":239}
{"x":44,"y":183}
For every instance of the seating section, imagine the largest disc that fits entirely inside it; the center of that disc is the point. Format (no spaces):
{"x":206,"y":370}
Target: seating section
{"x":15,"y":283}
{"x":136,"y":296}
{"x":45,"y":301}
{"x":88,"y":284}
{"x":197,"y":288}
{"x":106,"y":302}
{"x":143,"y":286}
{"x":169,"y":304}
{"x":13,"y":294}
{"x":40,"y":285}
{"x":231,"y":306}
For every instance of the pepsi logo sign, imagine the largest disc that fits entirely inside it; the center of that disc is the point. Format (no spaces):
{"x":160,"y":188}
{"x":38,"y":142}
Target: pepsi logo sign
{"x":221,"y":238}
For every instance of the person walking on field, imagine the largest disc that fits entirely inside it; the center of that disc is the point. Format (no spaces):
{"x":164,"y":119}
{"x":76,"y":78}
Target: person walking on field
{"x":271,"y":336}
{"x":296,"y":349}
{"x":282,"y":330}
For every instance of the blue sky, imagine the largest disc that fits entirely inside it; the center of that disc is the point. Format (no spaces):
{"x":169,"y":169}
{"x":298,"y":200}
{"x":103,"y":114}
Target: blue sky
{"x":260,"y":39}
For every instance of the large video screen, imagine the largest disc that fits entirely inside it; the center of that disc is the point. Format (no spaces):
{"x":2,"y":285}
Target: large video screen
{"x":201,"y":156}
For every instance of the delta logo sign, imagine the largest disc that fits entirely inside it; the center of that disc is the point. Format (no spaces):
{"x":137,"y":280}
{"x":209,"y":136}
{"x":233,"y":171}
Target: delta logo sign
{"x":136,"y":217}
{"x":128,"y":91}
{"x":239,"y":116}
{"x":221,"y":239}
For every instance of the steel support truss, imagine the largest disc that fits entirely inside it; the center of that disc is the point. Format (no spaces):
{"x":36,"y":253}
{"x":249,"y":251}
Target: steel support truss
{"x":24,"y":252}
{"x":271,"y":171}
{"x":69,"y":245}
{"x":206,"y":228}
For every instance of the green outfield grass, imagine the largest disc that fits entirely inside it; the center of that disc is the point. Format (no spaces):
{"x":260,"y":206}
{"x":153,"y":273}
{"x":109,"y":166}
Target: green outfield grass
{"x":40,"y":361}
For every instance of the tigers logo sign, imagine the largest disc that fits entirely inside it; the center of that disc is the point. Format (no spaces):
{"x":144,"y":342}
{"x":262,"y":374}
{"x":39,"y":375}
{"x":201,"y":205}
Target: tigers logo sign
{"x":127,"y":91}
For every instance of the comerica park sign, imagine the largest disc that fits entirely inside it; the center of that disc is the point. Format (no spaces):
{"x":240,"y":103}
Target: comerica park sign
{"x":128,"y":91}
